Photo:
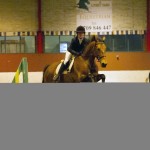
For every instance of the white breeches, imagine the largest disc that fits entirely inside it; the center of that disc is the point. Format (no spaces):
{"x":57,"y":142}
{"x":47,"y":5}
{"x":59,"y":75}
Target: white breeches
{"x":68,"y":55}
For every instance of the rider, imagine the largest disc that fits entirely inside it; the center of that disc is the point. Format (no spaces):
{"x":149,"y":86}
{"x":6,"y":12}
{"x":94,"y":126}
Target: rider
{"x":76,"y":48}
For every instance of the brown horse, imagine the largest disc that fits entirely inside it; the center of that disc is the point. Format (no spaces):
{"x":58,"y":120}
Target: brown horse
{"x":84,"y":68}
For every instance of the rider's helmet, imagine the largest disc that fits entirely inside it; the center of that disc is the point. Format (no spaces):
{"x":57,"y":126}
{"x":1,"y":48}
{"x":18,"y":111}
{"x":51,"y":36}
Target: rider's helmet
{"x":80,"y":29}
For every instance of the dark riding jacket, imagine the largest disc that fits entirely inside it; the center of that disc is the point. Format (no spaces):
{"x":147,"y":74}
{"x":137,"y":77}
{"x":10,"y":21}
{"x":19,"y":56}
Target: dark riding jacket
{"x":75,"y":47}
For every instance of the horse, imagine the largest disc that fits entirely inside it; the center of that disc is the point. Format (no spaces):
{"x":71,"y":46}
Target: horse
{"x":84,"y":68}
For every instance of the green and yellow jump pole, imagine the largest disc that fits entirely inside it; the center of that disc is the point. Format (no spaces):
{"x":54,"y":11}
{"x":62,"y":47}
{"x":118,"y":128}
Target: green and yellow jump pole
{"x":23,"y":67}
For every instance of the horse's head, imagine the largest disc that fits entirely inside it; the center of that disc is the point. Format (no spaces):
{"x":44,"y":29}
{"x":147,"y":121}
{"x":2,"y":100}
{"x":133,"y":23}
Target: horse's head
{"x":99,"y":50}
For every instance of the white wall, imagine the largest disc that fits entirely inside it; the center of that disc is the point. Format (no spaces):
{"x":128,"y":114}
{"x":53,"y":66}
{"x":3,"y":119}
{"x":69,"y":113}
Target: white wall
{"x":111,"y":76}
{"x":33,"y":77}
{"x":126,"y":76}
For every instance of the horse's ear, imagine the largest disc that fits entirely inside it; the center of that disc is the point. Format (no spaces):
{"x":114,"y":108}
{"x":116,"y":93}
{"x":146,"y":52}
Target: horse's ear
{"x":103,"y":38}
{"x":94,"y":38}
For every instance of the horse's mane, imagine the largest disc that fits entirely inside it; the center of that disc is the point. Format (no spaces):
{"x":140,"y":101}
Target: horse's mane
{"x":88,"y":49}
{"x":90,"y":46}
{"x":94,"y":38}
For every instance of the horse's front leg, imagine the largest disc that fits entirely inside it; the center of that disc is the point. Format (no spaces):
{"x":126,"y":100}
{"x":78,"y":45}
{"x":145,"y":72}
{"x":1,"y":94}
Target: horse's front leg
{"x":91,"y":77}
{"x":97,"y":77}
{"x":101,"y":77}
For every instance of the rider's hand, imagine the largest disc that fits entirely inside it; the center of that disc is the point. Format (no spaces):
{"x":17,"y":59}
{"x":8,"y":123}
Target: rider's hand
{"x":76,"y":53}
{"x":79,"y":53}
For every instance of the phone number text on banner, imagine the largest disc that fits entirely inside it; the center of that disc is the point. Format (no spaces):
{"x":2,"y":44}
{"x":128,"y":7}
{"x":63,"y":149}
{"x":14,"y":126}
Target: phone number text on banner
{"x":98,"y":28}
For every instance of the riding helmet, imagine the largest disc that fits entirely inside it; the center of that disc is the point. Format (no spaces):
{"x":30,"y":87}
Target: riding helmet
{"x":80,"y":29}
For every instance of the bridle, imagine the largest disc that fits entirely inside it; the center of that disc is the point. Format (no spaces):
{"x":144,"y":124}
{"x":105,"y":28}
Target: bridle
{"x":99,"y":57}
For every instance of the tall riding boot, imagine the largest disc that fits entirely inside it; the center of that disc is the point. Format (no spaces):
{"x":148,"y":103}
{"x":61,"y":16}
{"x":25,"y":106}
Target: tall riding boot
{"x":62,"y":68}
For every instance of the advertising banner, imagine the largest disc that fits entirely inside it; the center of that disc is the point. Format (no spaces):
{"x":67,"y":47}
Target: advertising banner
{"x":95,"y":15}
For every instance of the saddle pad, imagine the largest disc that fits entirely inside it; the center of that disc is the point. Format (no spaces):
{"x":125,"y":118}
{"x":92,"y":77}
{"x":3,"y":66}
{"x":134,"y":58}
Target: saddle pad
{"x":58,"y":67}
{"x":69,"y":68}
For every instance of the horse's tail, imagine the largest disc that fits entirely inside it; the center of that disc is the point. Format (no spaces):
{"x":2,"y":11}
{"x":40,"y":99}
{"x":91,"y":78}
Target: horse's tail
{"x":45,"y":68}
